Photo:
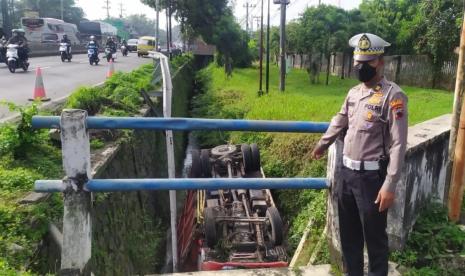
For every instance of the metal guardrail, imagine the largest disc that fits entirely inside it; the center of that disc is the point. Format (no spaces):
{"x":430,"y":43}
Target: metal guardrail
{"x":187,"y":124}
{"x":127,"y":185}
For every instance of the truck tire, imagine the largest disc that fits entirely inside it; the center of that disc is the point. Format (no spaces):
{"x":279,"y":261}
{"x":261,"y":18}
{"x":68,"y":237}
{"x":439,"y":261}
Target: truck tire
{"x":205,"y":161}
{"x":275,"y":227}
{"x":247,"y":158}
{"x":211,"y":235}
{"x":196,"y":166}
{"x":255,"y":157}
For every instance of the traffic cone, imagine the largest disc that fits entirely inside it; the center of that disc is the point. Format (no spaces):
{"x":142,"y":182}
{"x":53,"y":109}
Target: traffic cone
{"x":39,"y":90}
{"x":111,"y":69}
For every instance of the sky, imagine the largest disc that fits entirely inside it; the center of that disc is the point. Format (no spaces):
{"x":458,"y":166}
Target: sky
{"x":95,"y":10}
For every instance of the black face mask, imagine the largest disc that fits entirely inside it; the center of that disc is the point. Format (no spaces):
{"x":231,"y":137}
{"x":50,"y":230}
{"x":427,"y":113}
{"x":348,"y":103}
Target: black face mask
{"x":364,"y":72}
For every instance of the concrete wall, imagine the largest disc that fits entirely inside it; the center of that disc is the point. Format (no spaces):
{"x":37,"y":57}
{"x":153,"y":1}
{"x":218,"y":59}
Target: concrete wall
{"x":411,"y":70}
{"x":423,"y":179}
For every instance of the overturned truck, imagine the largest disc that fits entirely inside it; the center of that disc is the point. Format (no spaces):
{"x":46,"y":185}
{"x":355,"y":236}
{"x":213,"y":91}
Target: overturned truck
{"x":230,"y":229}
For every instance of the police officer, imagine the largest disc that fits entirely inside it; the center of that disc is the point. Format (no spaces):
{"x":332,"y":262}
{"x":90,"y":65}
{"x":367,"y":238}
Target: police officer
{"x":374,"y":120}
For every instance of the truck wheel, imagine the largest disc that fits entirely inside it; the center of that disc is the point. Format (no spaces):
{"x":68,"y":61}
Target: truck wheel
{"x":205,"y":161}
{"x":275,"y":226}
{"x":246,"y":157}
{"x":255,"y":157}
{"x":209,"y":223}
{"x":196,"y":167}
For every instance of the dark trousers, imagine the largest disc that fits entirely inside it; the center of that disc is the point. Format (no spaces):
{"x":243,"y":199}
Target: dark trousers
{"x":360,"y":221}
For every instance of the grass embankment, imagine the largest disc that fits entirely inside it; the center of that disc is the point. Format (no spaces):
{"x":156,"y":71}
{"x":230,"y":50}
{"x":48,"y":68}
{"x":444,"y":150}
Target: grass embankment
{"x":27,"y":155}
{"x":287,"y":155}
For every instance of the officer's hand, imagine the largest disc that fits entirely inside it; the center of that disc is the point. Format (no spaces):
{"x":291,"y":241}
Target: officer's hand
{"x":385,"y":199}
{"x":318,"y":152}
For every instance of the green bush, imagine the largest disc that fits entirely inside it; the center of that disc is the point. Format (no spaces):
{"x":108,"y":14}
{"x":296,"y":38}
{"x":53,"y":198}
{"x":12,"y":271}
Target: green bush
{"x":17,"y":139}
{"x":180,"y":60}
{"x":87,"y":98}
{"x":17,"y":179}
{"x":432,"y":244}
{"x":120,"y":95}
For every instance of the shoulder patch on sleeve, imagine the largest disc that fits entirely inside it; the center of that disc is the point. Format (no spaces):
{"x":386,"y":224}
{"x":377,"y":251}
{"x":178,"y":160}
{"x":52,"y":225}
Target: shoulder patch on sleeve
{"x":396,"y":104}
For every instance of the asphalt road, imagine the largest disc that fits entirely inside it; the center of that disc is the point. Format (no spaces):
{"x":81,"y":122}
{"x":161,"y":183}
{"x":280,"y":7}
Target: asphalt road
{"x":60,"y":79}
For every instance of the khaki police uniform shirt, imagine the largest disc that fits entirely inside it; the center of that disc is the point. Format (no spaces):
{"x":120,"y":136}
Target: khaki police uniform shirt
{"x":369,"y":115}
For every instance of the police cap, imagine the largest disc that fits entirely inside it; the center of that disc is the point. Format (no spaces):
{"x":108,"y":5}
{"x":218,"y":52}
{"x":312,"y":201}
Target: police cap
{"x":367,"y":46}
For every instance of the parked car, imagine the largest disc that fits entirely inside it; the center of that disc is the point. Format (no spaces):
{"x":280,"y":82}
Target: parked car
{"x":132,"y":45}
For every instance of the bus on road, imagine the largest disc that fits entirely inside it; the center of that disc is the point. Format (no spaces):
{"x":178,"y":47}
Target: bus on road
{"x":49,"y":30}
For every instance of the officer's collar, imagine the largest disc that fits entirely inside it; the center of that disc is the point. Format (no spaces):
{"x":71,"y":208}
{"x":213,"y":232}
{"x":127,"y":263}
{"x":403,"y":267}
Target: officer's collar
{"x":378,"y":88}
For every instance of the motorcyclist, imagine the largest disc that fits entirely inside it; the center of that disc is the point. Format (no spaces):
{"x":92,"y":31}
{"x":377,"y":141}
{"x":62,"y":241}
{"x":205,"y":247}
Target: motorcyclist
{"x":66,"y":40}
{"x":111,"y":44}
{"x":19,"y":39}
{"x":125,"y":45}
{"x":92,"y":43}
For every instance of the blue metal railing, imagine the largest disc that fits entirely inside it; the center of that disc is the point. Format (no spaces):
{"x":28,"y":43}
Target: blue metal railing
{"x":186,"y":124}
{"x":126,"y":185}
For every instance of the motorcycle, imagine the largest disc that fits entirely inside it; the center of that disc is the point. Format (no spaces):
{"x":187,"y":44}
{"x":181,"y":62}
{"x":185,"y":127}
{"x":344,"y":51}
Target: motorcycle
{"x":124,"y":51}
{"x":110,"y":54}
{"x":65,"y":53}
{"x":92,"y":53}
{"x":14,"y":62}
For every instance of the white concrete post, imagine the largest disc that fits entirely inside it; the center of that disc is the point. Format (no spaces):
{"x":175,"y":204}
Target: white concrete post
{"x":77,"y":225}
{"x":332,"y":219}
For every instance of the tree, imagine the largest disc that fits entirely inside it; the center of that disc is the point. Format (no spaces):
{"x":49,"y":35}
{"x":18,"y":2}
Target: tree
{"x":324,"y":30}
{"x":295,"y":41}
{"x":438,"y":33}
{"x":274,"y":43}
{"x":213,"y":20}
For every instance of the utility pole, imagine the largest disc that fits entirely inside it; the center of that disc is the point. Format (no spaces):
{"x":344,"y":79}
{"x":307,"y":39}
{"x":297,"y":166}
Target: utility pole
{"x":247,"y":5}
{"x":457,"y":138}
{"x":157,"y":24}
{"x":168,"y":29}
{"x":121,"y":9}
{"x":107,"y":7}
{"x":282,"y":42}
{"x":257,"y":19}
{"x":61,"y":8}
{"x":260,"y":89}
{"x":268,"y":50}
{"x":246,"y":17}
